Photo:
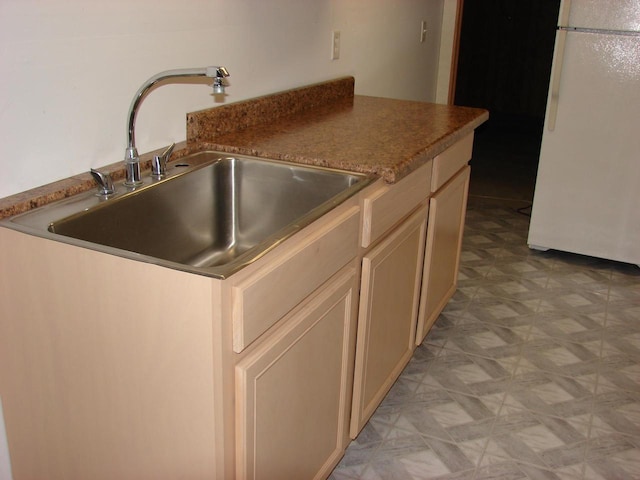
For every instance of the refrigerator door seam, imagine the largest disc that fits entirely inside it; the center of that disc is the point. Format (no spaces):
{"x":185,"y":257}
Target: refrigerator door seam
{"x":558,"y":58}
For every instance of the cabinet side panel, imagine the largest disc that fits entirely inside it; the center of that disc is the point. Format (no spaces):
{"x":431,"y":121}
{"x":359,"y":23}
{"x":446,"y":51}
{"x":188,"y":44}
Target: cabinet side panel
{"x":99,"y":378}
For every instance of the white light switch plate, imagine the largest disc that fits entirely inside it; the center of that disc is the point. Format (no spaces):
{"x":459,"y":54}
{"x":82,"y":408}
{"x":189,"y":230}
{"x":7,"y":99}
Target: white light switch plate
{"x":423,"y":31}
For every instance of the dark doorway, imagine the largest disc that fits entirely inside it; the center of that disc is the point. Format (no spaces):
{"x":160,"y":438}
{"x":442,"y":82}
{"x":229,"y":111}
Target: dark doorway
{"x":504,"y":64}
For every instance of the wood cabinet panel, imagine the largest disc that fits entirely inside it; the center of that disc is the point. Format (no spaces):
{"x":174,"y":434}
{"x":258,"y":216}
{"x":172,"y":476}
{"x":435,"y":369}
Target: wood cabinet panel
{"x":442,"y":254}
{"x":449,"y":162}
{"x":256,"y":302}
{"x":98,"y":377}
{"x":390,"y":289}
{"x":293,"y":392}
{"x":389,"y":204}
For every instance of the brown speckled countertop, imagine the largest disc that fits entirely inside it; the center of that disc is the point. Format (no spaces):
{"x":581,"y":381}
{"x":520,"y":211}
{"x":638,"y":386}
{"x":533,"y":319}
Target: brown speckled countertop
{"x":323,"y":124}
{"x":387,"y":137}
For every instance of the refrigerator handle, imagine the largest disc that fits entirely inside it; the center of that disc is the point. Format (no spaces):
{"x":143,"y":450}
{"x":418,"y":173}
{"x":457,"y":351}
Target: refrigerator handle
{"x":556,"y":74}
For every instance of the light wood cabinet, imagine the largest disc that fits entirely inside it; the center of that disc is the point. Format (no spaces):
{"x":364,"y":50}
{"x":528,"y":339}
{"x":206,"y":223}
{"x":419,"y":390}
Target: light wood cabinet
{"x":405,"y":284}
{"x":99,"y":379}
{"x":442,"y":255}
{"x":266,"y":374}
{"x":293,"y":317}
{"x":260,"y":297}
{"x":390,"y":289}
{"x":387,"y":205}
{"x":293,"y":391}
{"x":93,"y":369}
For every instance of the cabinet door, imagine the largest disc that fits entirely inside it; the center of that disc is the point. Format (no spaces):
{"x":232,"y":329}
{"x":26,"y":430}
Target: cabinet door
{"x":390,"y":289}
{"x":293,"y":392}
{"x":442,"y":255}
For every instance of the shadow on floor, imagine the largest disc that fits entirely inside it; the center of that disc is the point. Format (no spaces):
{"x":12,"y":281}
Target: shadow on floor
{"x":505,"y":161}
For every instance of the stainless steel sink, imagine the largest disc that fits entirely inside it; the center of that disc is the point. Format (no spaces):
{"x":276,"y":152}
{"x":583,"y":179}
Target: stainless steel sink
{"x":212,"y":216}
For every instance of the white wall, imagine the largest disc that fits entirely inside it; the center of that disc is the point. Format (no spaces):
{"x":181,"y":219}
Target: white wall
{"x":69,"y":68}
{"x":382,"y":49}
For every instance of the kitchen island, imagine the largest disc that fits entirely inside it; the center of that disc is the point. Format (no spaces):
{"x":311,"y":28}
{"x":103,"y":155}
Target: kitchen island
{"x":113,"y":368}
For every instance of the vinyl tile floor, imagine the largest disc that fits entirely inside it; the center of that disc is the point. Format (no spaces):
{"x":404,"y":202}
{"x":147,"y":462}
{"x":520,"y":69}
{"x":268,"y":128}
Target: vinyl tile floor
{"x":532,"y":371}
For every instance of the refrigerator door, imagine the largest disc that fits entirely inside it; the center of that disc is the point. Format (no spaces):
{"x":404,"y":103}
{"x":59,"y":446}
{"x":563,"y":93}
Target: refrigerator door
{"x":603,"y":14}
{"x":587,"y":197}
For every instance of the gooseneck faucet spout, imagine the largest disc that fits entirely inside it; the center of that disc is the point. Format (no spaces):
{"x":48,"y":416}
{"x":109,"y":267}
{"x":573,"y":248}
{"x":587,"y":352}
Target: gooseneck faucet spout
{"x":131,"y":159}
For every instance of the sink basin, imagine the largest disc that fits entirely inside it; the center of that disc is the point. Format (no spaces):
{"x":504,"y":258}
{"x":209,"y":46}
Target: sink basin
{"x":213,"y":215}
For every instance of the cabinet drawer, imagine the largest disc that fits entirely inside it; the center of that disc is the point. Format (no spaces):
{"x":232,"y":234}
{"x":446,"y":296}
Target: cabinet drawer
{"x":449,"y":162}
{"x":388,"y":204}
{"x":261,"y":299}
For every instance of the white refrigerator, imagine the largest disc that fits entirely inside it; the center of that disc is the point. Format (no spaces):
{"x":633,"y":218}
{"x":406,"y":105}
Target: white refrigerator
{"x":587,"y":194}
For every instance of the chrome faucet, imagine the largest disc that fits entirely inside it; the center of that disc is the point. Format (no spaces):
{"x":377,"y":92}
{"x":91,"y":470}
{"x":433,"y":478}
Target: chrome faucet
{"x":159,"y":163}
{"x":105,"y":183}
{"x":131,"y":159}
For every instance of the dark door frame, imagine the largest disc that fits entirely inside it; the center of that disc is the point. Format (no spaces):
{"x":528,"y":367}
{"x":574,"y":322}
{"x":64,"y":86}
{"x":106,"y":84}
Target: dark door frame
{"x":454,"y":53}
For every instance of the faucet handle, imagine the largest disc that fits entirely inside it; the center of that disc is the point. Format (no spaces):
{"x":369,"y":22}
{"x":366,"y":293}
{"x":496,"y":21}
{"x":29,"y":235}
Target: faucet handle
{"x":105,"y":184}
{"x":159,"y":163}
